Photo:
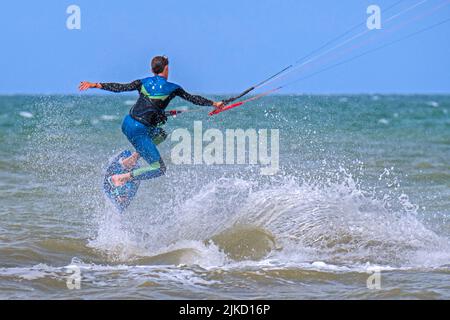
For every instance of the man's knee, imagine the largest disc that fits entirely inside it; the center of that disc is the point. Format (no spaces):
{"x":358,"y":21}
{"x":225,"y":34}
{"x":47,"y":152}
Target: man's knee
{"x":159,"y":137}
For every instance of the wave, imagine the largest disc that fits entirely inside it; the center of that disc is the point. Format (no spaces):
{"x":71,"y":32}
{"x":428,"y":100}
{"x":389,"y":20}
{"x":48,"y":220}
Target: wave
{"x":26,"y":114}
{"x":232,"y":220}
{"x":433,"y":104}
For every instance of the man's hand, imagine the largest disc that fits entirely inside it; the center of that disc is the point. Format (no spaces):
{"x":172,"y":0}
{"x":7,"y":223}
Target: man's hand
{"x":218,"y":104}
{"x":84,"y":85}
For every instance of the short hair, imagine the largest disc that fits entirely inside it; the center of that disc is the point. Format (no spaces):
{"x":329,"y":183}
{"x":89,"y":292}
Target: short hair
{"x":159,"y":63}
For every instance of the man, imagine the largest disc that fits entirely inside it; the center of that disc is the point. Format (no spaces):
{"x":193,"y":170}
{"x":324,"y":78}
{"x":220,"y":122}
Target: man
{"x":142,"y":125}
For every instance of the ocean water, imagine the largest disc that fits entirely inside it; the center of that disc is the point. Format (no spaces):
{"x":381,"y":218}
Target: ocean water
{"x":363,"y":190}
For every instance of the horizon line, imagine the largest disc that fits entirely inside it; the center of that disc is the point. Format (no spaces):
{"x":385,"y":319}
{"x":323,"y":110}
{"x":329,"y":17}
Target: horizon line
{"x":230,"y":94}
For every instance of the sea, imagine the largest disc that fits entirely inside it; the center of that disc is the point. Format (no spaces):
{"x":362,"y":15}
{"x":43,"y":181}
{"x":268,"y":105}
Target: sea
{"x":358,"y":209}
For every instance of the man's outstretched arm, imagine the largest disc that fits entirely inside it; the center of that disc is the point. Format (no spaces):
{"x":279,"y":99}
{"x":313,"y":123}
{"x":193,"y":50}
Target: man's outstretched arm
{"x":197,"y":100}
{"x":114,"y":87}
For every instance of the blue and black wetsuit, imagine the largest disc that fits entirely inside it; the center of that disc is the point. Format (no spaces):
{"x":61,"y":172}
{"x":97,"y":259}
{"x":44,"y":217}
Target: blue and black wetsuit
{"x":142,"y":126}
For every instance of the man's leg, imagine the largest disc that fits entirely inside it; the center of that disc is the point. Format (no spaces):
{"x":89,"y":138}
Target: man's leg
{"x":158,"y":136}
{"x":146,"y":148}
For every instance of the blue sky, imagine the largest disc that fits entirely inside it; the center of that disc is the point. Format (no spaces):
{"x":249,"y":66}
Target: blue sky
{"x":215,"y":46}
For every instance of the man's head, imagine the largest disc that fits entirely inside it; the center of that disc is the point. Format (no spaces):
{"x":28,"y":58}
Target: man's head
{"x":160,"y":65}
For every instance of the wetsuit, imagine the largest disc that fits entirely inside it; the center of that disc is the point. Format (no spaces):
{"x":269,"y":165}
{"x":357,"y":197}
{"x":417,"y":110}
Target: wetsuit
{"x":142,"y":125}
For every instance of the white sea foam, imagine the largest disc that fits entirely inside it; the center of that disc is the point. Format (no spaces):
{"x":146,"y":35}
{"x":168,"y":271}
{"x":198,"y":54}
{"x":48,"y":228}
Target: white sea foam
{"x":335,"y":226}
{"x":108,"y":117}
{"x":26,"y":114}
{"x":129,"y":102}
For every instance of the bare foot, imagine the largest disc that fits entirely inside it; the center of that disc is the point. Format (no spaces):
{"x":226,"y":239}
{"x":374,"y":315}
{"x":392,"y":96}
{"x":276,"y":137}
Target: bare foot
{"x":120,"y":179}
{"x":130,"y":162}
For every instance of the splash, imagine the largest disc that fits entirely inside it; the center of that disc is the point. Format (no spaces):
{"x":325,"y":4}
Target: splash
{"x":235,"y":220}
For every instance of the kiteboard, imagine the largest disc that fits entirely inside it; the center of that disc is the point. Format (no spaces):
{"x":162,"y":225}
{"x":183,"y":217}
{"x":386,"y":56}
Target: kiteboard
{"x":120,"y":197}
